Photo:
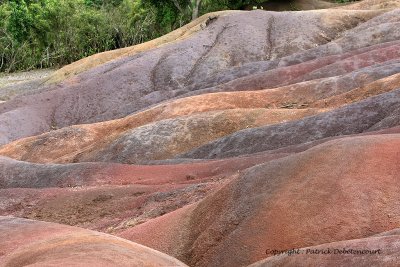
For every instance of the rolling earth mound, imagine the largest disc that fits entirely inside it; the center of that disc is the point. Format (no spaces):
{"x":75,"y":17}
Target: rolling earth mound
{"x":232,"y":141}
{"x":48,"y":244}
{"x":343,"y":189}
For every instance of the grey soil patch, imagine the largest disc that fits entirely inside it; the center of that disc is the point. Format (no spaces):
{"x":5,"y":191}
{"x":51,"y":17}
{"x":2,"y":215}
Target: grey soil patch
{"x":14,"y":84}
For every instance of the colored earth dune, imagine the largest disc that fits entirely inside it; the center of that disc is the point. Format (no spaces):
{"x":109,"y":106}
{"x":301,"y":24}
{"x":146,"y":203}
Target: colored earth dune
{"x":245,"y":138}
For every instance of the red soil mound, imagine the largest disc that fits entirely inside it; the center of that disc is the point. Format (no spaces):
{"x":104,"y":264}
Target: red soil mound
{"x":109,"y":197}
{"x":344,"y":189}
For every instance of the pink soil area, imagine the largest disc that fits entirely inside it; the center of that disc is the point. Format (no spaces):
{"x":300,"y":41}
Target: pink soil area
{"x":374,"y":88}
{"x":318,"y":68}
{"x":357,"y":61}
{"x":185,"y":173}
{"x":26,"y":242}
{"x":103,"y":208}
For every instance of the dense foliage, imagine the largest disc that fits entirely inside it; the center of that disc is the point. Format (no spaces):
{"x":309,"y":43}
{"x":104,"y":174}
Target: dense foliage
{"x":49,"y":33}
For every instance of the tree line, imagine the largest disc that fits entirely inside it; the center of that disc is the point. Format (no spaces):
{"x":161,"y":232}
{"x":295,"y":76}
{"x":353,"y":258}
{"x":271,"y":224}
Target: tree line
{"x":52,"y":33}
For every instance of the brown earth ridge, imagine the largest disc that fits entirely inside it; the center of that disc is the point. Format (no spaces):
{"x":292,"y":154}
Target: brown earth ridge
{"x":239,"y":133}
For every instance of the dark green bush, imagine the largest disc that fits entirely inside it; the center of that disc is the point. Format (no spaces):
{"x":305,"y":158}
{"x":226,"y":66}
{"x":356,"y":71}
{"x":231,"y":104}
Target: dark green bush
{"x":50,"y":33}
